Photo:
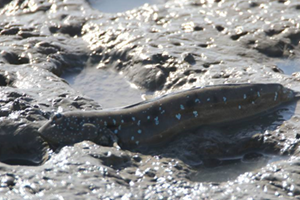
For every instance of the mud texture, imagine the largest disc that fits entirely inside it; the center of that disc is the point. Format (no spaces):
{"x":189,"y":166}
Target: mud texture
{"x":159,"y":48}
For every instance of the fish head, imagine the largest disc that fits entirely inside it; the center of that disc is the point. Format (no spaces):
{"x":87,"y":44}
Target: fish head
{"x":68,"y":128}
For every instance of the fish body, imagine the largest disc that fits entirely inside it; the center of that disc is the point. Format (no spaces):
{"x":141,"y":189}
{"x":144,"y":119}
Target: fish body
{"x":156,"y":121}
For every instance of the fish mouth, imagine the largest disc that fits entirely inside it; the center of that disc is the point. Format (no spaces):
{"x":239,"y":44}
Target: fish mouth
{"x":47,"y":134}
{"x":45,"y":131}
{"x":43,"y":128}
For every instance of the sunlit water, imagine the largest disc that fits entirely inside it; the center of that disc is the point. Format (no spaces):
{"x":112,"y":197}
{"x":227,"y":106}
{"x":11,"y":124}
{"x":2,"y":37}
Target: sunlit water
{"x":107,"y":87}
{"x":114,"y":6}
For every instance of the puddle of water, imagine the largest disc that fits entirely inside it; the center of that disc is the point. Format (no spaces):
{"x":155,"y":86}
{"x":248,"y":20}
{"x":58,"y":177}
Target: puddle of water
{"x":230,"y":169}
{"x":114,"y":6}
{"x":289,"y":66}
{"x":107,"y":87}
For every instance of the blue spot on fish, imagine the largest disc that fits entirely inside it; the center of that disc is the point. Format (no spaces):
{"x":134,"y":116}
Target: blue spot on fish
{"x":258,"y":94}
{"x":224,"y":99}
{"x":156,"y":121}
{"x":105,"y":123}
{"x":133,"y":118}
{"x":195,"y":113}
{"x":181,"y":107}
{"x":139,"y":131}
{"x":139,"y":122}
{"x":245,"y":96}
{"x":275,"y":97}
{"x":162,"y":112}
{"x":119,"y":127}
{"x":137,"y":142}
{"x":116,"y":131}
{"x":178,"y":116}
{"x":208,"y":99}
{"x":240,"y":106}
{"x":122,"y":121}
{"x":197,"y":100}
{"x":148,"y":117}
{"x":132,"y":138}
{"x":114,"y":121}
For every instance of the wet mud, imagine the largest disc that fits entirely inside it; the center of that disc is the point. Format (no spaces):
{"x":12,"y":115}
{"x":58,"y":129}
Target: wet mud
{"x":160,"y":49}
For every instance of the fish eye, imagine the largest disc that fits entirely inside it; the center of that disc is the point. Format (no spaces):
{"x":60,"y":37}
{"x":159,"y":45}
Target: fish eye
{"x":56,"y":117}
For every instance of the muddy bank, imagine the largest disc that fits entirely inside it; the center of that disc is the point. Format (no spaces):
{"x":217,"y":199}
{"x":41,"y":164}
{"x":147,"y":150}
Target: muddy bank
{"x":160,"y":49}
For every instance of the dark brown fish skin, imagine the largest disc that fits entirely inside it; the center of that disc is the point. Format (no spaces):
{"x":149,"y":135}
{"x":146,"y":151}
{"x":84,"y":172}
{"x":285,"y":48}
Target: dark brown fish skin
{"x":153,"y":122}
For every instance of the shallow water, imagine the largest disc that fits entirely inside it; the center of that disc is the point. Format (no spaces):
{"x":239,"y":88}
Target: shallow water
{"x":229,"y":169}
{"x":109,"y":6}
{"x":289,"y":66}
{"x":107,"y":87}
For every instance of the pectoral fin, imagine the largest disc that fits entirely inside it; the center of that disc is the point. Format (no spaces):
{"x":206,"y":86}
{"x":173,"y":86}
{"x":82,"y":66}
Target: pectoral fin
{"x":107,"y":138}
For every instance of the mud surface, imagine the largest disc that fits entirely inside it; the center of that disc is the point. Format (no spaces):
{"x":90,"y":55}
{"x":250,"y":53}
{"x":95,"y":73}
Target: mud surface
{"x":159,"y":48}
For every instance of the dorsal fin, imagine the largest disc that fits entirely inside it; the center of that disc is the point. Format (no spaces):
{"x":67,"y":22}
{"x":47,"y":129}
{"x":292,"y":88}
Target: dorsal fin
{"x":177,"y":92}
